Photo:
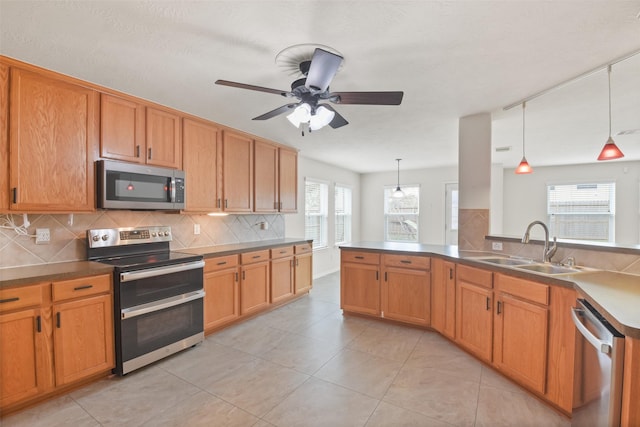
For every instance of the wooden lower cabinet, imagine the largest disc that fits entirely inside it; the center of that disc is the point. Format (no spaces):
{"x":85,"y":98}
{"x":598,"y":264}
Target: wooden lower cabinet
{"x":254,"y":282}
{"x":54,"y":335}
{"x":222,"y":291}
{"x":443,"y":297}
{"x":303,"y":270}
{"x":474,"y":319}
{"x":282,"y":274}
{"x":406,"y":289}
{"x":360,"y":282}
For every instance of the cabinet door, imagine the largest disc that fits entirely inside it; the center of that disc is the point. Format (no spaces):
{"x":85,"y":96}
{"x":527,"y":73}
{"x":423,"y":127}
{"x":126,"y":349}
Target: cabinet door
{"x":122,"y":130}
{"x":24,"y":361}
{"x":265,"y":189}
{"x":360,"y":288}
{"x":53,"y":141}
{"x":520,"y":341}
{"x":237,"y":168}
{"x":254,"y":287}
{"x":222,"y":298}
{"x":201,"y":158}
{"x":443,"y":293}
{"x":303,"y":273}
{"x":83,"y":338}
{"x":474,"y":319}
{"x":164,"y":138}
{"x":406,"y":295}
{"x":281,"y":279}
{"x":288,"y":180}
{"x":4,"y":137}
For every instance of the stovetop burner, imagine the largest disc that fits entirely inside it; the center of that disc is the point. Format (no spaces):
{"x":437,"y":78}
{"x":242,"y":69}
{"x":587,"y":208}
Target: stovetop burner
{"x":161,"y":258}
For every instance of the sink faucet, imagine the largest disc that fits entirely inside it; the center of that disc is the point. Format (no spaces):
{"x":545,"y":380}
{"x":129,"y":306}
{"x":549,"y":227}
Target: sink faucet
{"x":548,"y":252}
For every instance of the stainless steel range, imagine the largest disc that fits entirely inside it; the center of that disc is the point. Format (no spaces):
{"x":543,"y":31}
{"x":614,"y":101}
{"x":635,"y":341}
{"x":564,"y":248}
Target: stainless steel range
{"x":158,"y":293}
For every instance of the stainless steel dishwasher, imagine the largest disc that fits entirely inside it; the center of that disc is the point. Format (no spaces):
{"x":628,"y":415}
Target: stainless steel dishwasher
{"x":599,"y":357}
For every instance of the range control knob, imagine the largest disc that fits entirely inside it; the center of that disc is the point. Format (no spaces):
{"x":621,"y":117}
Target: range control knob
{"x":105,"y":237}
{"x":153,"y":234}
{"x":95,"y":238}
{"x":166,"y":233}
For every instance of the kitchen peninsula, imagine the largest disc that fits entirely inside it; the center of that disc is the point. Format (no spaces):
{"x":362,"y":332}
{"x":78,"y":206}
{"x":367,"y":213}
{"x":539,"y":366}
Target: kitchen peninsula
{"x":470,"y":301}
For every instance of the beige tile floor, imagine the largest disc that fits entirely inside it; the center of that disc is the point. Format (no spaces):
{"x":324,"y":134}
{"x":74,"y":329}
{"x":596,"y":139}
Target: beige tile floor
{"x":304,"y":365}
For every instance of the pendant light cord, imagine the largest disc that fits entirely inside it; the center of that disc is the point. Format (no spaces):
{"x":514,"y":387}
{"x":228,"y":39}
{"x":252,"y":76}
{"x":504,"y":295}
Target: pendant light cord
{"x":609,"y":75}
{"x":398,"y":160}
{"x":523,"y":106}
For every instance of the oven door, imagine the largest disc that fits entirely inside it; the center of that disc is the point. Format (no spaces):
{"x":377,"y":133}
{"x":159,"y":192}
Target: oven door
{"x":152,"y":331}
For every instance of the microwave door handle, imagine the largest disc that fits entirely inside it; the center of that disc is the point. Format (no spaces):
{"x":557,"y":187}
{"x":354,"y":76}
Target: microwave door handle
{"x":173,"y":190}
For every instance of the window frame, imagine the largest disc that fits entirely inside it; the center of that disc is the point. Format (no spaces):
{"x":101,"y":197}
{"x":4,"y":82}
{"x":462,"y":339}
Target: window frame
{"x":347,"y":215}
{"x":414,"y":222}
{"x":322,"y":241}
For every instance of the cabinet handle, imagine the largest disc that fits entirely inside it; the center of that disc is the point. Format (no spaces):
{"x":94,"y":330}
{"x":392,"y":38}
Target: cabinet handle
{"x":385,"y":276}
{"x":217,"y":203}
{"x":226,"y":203}
{"x":236,"y":276}
{"x":243,"y":275}
{"x":79,"y":288}
{"x":149,"y":153}
{"x":38,"y":324}
{"x":489,"y":303}
{"x":297,"y":263}
{"x":9,"y":300}
{"x":14,"y":192}
{"x":137,"y":151}
{"x":377,"y":276}
{"x":451,"y":274}
{"x":499,"y":307}
{"x":58,"y":320}
{"x":222,"y":263}
{"x":405,"y":261}
{"x":359,"y":257}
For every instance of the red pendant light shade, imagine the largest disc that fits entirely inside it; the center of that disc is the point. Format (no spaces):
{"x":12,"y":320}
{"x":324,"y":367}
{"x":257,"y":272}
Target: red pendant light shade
{"x":610,"y":151}
{"x":523,"y":167}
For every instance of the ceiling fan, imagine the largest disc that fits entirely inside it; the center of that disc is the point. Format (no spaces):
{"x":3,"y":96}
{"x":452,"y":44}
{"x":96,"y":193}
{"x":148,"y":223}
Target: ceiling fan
{"x":312,"y":108}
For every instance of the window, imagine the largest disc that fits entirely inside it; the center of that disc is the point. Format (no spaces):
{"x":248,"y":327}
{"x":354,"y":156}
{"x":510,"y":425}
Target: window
{"x":582,"y":211}
{"x":343,"y":214}
{"x":401,"y":215}
{"x":315,"y":212}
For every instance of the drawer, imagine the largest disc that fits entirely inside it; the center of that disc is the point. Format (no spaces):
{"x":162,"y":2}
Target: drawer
{"x":281,"y":252}
{"x":25,"y":296}
{"x":303,"y":249}
{"x":525,"y":289}
{"x":407,"y":261}
{"x":475,"y":276}
{"x":361,"y":257}
{"x":81,"y":287}
{"x":255,"y":256}
{"x":220,"y":263}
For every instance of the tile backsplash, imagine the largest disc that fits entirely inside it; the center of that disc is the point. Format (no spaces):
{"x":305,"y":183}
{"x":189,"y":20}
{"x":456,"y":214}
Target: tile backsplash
{"x":68,"y":233}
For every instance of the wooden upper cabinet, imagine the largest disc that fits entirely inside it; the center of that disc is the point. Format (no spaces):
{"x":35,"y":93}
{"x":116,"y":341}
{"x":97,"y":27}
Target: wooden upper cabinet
{"x":53,"y":136}
{"x":237,"y":169}
{"x":288,"y":180}
{"x":265,"y":190}
{"x":4,"y":137}
{"x":164,"y":138}
{"x":122,"y":130}
{"x":201,"y":158}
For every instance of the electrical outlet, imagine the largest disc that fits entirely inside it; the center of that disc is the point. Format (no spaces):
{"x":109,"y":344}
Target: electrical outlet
{"x":196,"y":228}
{"x":43,"y":236}
{"x":496,"y":246}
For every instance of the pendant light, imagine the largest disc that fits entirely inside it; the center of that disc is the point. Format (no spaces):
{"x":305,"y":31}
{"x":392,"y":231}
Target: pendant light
{"x":523,"y":167}
{"x":610,"y":150}
{"x":398,"y":193}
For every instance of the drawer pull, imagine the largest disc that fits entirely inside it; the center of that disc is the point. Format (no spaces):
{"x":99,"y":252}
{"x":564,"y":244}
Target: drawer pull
{"x":283,"y":252}
{"x":256,"y":256}
{"x":79,"y":288}
{"x":222,"y":263}
{"x":9,"y":300}
{"x":359,"y":257}
{"x":405,"y":261}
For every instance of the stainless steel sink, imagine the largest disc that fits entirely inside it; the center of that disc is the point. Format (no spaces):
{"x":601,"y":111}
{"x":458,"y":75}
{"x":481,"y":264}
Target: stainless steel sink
{"x":549,"y":268}
{"x":504,"y":260}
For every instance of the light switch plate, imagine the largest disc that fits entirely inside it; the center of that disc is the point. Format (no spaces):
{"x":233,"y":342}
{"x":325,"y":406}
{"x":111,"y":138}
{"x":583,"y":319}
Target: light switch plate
{"x":496,"y":246}
{"x":196,"y":228}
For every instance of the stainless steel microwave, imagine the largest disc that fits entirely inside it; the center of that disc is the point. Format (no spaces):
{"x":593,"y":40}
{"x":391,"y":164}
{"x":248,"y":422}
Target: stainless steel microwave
{"x":139,"y":187}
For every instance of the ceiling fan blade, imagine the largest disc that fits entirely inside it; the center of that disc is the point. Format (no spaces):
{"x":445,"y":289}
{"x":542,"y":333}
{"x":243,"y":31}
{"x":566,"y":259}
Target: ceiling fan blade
{"x":277,"y":111}
{"x":368,"y":98}
{"x":252,"y":87}
{"x":338,"y":120}
{"x":322,"y":69}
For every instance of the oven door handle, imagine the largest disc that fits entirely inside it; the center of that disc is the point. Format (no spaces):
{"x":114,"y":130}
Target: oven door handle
{"x":128,"y":313}
{"x":159,"y":271}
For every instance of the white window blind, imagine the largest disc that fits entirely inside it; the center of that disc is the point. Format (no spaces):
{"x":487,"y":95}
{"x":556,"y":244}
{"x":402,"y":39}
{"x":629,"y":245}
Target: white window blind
{"x":583,"y":211}
{"x":342,"y":214}
{"x":315,"y":212}
{"x":401,"y":216}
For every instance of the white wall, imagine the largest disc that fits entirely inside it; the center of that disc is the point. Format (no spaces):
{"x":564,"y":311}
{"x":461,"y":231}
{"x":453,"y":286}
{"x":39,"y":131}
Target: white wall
{"x":326,"y":260}
{"x":525,"y":196}
{"x":432,"y":201}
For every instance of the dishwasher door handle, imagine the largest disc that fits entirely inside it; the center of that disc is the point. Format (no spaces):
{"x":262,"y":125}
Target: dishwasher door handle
{"x":602,"y":346}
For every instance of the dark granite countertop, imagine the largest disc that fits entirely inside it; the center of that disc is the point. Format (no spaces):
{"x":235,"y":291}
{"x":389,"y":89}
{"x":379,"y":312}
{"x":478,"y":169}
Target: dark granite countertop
{"x":616,"y":295}
{"x":31,"y":274}
{"x":221,"y":250}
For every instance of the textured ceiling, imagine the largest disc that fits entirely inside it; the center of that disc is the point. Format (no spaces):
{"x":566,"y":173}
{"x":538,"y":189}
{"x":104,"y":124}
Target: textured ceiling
{"x":451,"y":58}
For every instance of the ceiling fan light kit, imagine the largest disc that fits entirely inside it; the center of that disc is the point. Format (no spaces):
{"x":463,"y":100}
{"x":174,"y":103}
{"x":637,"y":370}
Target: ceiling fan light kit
{"x":312,"y":91}
{"x":523,"y":167}
{"x":610,"y":151}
